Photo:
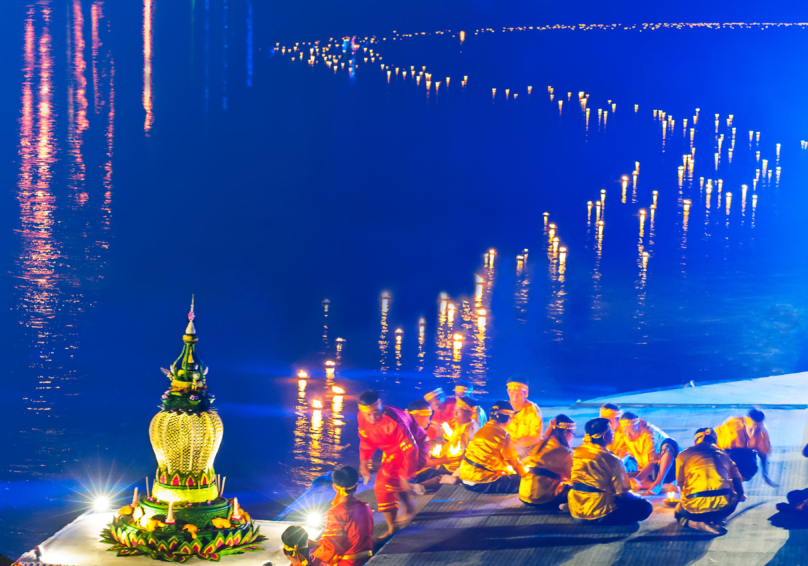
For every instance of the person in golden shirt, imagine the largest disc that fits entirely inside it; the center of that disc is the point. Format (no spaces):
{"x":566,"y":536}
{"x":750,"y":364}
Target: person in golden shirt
{"x":612,"y":412}
{"x":744,"y":437}
{"x":648,"y":453}
{"x":711,"y":484}
{"x":490,"y":464}
{"x":526,"y":425}
{"x":452,"y":448}
{"x":549,"y":466}
{"x":600,"y":491}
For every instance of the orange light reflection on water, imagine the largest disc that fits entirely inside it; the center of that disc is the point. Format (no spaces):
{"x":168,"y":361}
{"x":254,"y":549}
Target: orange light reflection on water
{"x":148,"y":20}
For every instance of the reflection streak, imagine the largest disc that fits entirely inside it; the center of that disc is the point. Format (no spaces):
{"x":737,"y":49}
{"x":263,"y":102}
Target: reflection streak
{"x":148,"y":20}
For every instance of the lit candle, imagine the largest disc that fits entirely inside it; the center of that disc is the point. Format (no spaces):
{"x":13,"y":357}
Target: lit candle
{"x":170,"y":518}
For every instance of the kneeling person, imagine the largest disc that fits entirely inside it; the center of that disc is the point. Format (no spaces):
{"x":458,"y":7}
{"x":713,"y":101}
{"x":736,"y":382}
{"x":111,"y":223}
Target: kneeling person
{"x":742,"y":438}
{"x":600,"y":487}
{"x":549,"y":466}
{"x":490,"y":464}
{"x":348,"y":536}
{"x":653,"y":451}
{"x":453,"y":447}
{"x":711,"y":484}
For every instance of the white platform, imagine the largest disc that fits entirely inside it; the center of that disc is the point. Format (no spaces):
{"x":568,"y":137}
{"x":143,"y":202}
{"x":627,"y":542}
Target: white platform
{"x":784,"y":391}
{"x":78,"y":544}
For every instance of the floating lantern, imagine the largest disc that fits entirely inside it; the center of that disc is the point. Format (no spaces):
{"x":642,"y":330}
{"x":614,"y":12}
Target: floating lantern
{"x":560,"y":102}
{"x":529,"y":89}
{"x":562,"y":254}
{"x":493,"y":93}
{"x":458,"y":343}
{"x":729,"y":200}
{"x":507,"y":93}
{"x":655,"y":194}
{"x":301,"y":384}
{"x":636,"y":107}
{"x":317,"y":404}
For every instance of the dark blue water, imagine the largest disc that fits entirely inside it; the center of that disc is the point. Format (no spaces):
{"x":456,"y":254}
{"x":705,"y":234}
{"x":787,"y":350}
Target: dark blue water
{"x":147,"y":159}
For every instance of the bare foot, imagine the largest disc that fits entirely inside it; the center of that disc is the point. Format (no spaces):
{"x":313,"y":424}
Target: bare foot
{"x":449,"y":479}
{"x":417,"y":489}
{"x":706,"y":527}
{"x":405,"y":518}
{"x":390,"y":532}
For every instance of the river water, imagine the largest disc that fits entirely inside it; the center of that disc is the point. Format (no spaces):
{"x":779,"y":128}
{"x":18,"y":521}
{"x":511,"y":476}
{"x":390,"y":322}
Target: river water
{"x":318,"y":212}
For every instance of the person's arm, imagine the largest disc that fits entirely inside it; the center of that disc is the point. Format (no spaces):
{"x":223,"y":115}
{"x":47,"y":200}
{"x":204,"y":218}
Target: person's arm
{"x":511,"y":457}
{"x":366,"y":450}
{"x":680,"y":471}
{"x":764,"y":469}
{"x":620,"y":480}
{"x":735,"y":476}
{"x":567,"y":465}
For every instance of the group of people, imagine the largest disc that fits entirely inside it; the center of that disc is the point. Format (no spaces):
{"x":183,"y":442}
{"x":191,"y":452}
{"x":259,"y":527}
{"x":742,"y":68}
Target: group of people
{"x":451,"y":439}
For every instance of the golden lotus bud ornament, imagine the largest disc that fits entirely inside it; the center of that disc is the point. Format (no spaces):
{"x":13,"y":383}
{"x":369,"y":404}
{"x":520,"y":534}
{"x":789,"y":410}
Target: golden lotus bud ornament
{"x":185,"y":513}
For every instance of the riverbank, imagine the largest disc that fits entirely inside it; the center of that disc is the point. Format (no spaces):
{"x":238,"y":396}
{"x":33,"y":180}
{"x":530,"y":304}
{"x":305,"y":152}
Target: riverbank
{"x":455,"y":526}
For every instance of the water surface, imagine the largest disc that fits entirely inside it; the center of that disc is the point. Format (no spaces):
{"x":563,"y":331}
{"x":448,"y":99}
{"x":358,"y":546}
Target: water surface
{"x":152,"y":153}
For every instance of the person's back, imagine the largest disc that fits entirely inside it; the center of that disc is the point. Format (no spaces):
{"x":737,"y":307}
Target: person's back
{"x":733,"y":434}
{"x":600,"y":492}
{"x":597,"y":477}
{"x":548,"y":466}
{"x":490,"y":464}
{"x":349,"y":527}
{"x":711,"y":484}
{"x":485,"y":457}
{"x":704,"y":473}
{"x":347,"y":539}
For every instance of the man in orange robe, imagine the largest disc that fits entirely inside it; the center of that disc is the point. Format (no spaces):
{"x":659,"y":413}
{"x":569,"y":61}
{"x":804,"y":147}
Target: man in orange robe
{"x":348,"y":536}
{"x":393,"y":432}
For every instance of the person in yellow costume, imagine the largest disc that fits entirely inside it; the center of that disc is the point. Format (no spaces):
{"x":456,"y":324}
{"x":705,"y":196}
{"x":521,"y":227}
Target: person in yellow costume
{"x":549,"y":466}
{"x":452,"y":448}
{"x":612,"y":412}
{"x":600,"y":491}
{"x":743,"y":437}
{"x":490,"y":464}
{"x":711,"y":484}
{"x":649,"y":453}
{"x":526,"y":425}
